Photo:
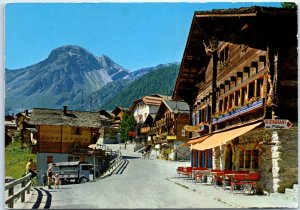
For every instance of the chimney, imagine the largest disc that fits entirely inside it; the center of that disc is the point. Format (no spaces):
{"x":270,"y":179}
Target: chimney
{"x":26,"y":112}
{"x":65,"y":110}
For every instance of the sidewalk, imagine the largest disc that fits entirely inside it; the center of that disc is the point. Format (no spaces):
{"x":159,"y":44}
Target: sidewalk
{"x":237,"y":200}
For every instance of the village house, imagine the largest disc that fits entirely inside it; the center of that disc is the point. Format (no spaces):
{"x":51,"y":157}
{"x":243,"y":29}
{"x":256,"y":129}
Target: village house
{"x":10,"y":128}
{"x":170,"y":120}
{"x":239,"y":68}
{"x":22,"y":122}
{"x":109,"y":133}
{"x":65,"y":135}
{"x":142,"y":108}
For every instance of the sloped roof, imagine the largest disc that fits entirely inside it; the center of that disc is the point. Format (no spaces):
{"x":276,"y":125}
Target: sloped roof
{"x":255,"y":27}
{"x":150,"y":100}
{"x":56,"y":117}
{"x":180,"y":105}
{"x":183,"y":108}
{"x":153,"y":100}
{"x":118,"y":109}
{"x":246,"y":10}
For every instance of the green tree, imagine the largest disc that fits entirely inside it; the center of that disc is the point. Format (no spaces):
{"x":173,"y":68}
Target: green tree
{"x":128,"y":124}
{"x":289,"y":5}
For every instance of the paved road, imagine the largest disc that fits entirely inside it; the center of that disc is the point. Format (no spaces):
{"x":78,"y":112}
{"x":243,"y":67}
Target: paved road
{"x":138,"y":184}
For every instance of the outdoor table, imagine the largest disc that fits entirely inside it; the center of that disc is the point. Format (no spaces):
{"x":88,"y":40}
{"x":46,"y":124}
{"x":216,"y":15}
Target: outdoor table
{"x":200,"y":174}
{"x":240,"y":179}
{"x":217,"y":176}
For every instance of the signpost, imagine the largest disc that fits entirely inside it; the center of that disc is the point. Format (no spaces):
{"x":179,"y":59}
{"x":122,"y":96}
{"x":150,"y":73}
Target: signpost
{"x":277,"y":124}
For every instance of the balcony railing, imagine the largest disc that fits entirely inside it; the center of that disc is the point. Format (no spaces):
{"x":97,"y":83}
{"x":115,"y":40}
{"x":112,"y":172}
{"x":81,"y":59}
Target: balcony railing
{"x":242,"y":110}
{"x":145,"y":130}
{"x":165,"y":122}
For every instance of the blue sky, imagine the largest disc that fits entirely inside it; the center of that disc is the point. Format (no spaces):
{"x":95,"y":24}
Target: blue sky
{"x":134,"y":35}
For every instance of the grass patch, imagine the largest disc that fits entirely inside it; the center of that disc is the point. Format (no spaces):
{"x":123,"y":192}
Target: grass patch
{"x":16,"y":159}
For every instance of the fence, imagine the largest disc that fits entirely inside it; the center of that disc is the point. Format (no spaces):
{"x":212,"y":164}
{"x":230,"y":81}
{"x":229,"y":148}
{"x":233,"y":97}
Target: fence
{"x":25,"y":186}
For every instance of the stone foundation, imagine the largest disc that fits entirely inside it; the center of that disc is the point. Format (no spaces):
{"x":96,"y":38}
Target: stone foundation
{"x":278,"y":157}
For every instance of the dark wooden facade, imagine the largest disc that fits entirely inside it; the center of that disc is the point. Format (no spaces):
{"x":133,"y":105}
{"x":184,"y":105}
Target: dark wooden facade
{"x":239,"y":68}
{"x":170,"y":120}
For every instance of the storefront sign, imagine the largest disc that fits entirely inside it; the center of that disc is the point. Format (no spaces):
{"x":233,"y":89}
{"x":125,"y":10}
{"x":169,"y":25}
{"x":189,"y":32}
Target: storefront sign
{"x":277,"y":124}
{"x":191,"y":128}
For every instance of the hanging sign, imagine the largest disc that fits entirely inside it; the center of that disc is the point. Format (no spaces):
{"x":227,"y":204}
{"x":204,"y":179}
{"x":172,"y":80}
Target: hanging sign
{"x":191,"y":128}
{"x":277,"y":124}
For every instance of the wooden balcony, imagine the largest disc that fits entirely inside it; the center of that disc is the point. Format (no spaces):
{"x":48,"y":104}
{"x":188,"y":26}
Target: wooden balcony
{"x":88,"y":151}
{"x":253,"y":106}
{"x":152,"y":131}
{"x":145,"y":130}
{"x":165,"y":122}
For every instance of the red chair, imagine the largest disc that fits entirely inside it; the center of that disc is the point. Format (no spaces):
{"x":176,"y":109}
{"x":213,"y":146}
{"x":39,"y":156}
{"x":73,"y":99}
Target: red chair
{"x":252,"y":181}
{"x":180,"y":170}
{"x":218,"y":177}
{"x":187,"y":172}
{"x":238,"y":181}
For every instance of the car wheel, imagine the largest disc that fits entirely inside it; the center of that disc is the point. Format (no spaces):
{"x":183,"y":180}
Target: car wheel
{"x":83,"y":180}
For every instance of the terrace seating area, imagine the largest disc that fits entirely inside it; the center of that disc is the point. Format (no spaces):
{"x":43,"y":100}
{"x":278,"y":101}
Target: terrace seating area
{"x":233,"y":181}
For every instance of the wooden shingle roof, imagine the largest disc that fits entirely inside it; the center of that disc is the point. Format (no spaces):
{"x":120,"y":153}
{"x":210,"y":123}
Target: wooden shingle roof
{"x":40,"y":116}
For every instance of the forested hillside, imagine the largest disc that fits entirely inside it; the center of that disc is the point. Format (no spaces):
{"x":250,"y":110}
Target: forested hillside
{"x":160,"y":81}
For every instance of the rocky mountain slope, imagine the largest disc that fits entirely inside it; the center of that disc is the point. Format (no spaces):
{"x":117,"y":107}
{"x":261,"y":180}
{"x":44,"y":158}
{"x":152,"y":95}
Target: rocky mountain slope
{"x":71,"y":76}
{"x":62,"y":78}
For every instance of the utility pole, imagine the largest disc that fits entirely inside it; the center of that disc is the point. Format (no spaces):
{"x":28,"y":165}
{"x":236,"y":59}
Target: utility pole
{"x":91,"y":103}
{"x":81,"y":101}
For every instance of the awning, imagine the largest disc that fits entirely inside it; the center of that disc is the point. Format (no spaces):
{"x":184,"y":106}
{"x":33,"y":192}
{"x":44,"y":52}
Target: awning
{"x":92,"y":146}
{"x":183,"y":145}
{"x":222,"y":137}
{"x":197,"y":140}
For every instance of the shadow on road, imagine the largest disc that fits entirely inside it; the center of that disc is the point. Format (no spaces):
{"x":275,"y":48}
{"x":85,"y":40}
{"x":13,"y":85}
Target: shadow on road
{"x":38,"y":200}
{"x":49,"y":199}
{"x":130,"y":157}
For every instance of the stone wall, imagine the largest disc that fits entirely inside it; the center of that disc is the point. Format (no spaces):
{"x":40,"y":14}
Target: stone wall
{"x":285,"y":158}
{"x":278,"y":157}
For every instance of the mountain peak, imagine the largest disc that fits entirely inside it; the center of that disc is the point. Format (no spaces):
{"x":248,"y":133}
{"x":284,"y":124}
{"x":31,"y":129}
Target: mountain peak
{"x":68,"y":51}
{"x":74,"y":56}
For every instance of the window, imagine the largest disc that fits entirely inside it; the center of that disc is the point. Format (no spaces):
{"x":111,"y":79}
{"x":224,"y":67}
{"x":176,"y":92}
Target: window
{"x":76,"y":131}
{"x":49,"y":159}
{"x":251,"y":90}
{"x":183,"y":132}
{"x":224,"y":55}
{"x":241,"y":159}
{"x":85,"y":167}
{"x":255,"y":159}
{"x":249,"y":159}
{"x":236,"y":98}
{"x":73,"y":158}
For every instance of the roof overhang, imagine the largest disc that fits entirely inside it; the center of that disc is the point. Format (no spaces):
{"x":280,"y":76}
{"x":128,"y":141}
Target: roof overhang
{"x":256,"y":27}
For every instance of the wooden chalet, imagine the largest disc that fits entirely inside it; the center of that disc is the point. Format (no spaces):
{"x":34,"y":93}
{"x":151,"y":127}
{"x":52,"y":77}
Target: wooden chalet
{"x":142,"y":108}
{"x":170,"y":120}
{"x":118,"y":114}
{"x":146,"y":105}
{"x":239,"y":68}
{"x":64,"y":135}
